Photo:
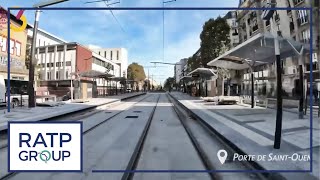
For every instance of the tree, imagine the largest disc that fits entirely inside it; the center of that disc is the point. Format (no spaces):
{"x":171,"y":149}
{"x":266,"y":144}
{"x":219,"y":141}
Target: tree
{"x":214,"y":39}
{"x":224,"y":74}
{"x":136,"y":73}
{"x":193,"y":63}
{"x":168,"y":83}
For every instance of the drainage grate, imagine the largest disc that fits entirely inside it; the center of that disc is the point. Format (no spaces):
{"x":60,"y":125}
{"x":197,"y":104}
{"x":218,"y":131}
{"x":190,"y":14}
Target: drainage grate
{"x":137,"y":111}
{"x":131,"y":116}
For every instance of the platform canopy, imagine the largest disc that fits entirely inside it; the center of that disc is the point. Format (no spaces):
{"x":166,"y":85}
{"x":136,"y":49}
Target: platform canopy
{"x":258,"y":50}
{"x":186,"y":78}
{"x":95,"y":74}
{"x":206,"y":72}
{"x":117,"y":78}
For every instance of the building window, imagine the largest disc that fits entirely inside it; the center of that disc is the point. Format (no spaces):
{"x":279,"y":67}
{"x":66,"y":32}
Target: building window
{"x":67,"y":74}
{"x":267,"y":23}
{"x":105,"y":54}
{"x":305,"y":36}
{"x":302,"y":17}
{"x":117,"y":55}
{"x":49,"y":64}
{"x":235,"y":32}
{"x":57,"y":75}
{"x":68,"y":63}
{"x":99,"y":52}
{"x":49,"y":75}
{"x":110,"y":55}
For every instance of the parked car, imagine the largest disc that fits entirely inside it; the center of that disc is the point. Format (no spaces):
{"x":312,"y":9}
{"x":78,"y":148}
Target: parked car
{"x":129,"y":90}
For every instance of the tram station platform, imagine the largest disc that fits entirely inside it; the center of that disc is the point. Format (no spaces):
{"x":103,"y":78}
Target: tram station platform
{"x":42,"y":113}
{"x":251,"y":131}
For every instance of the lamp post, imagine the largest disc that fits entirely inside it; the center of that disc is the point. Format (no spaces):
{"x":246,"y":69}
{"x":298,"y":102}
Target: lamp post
{"x":32,"y":63}
{"x":267,"y":15}
{"x":163,"y":3}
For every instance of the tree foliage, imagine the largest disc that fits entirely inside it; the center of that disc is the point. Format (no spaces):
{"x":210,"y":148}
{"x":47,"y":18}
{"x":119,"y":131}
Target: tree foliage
{"x":192,"y":63}
{"x":168,"y":83}
{"x":136,"y":72}
{"x":214,"y":39}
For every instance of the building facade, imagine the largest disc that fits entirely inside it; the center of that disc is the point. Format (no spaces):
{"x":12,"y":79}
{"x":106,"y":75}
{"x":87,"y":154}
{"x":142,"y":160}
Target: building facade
{"x":293,"y":24}
{"x":18,"y":44}
{"x":115,"y":55}
{"x":59,"y":62}
{"x":178,"y":69}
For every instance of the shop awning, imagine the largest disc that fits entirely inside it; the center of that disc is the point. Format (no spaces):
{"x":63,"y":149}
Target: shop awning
{"x":258,"y":50}
{"x":206,"y":72}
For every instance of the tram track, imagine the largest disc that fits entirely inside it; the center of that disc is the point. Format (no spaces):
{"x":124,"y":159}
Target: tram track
{"x":77,"y":115}
{"x":136,"y":137}
{"x":221,"y":143}
{"x":134,"y":160}
{"x":11,"y":174}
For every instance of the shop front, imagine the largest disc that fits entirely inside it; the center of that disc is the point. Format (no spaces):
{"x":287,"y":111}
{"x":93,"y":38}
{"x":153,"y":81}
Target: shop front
{"x":18,"y":43}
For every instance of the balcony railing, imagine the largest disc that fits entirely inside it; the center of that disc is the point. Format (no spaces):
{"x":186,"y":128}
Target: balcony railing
{"x":302,"y":21}
{"x":297,"y":2}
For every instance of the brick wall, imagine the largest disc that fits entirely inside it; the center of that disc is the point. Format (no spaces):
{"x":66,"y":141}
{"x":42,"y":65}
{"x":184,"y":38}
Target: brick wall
{"x":83,"y":59}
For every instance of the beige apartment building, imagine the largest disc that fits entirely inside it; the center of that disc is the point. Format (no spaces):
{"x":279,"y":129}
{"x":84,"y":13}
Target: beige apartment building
{"x":294,"y":24}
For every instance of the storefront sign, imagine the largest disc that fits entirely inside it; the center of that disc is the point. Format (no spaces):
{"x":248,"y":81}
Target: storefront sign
{"x":15,"y":46}
{"x":13,"y":62}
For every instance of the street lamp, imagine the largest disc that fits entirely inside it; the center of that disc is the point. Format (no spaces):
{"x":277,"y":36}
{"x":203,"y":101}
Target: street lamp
{"x":163,"y":3}
{"x":31,"y":99}
{"x":267,"y":15}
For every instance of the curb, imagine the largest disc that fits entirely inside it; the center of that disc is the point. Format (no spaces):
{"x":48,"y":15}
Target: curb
{"x":271,"y":176}
{"x":4,"y":128}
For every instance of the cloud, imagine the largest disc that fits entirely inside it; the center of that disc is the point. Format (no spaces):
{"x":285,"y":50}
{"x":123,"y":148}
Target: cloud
{"x":142,"y":34}
{"x":92,"y":46}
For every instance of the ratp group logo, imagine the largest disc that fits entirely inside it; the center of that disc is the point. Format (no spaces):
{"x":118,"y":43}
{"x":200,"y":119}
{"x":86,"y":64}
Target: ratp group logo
{"x":45,"y":146}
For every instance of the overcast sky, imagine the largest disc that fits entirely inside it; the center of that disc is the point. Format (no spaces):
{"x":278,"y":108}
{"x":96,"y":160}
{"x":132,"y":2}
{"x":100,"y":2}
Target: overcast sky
{"x":140,"y":32}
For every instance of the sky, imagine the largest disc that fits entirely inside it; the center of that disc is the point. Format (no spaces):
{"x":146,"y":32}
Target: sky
{"x":140,"y":32}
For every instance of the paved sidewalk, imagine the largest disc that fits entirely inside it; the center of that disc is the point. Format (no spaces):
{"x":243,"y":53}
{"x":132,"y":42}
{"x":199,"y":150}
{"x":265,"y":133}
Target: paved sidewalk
{"x":252,"y":131}
{"x":41,"y":113}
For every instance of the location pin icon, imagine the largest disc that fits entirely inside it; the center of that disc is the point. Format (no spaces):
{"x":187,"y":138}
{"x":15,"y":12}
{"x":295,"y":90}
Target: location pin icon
{"x":222,"y":155}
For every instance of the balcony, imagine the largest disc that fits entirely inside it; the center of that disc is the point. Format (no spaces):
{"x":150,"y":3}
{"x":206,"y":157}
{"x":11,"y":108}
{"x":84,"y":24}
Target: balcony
{"x":297,"y":2}
{"x":303,"y":20}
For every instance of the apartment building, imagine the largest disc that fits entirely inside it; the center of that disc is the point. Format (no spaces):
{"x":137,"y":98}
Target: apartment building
{"x":178,"y":69}
{"x":293,"y":24}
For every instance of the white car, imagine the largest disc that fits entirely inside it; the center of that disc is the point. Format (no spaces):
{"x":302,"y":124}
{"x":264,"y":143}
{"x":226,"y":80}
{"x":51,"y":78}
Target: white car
{"x":129,"y":90}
